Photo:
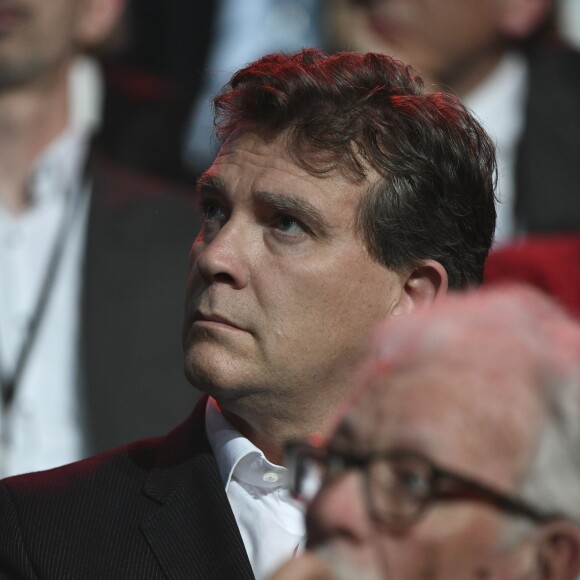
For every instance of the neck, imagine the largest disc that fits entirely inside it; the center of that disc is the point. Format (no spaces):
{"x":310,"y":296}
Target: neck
{"x":275,"y":425}
{"x":468,"y":75}
{"x":31,"y":117}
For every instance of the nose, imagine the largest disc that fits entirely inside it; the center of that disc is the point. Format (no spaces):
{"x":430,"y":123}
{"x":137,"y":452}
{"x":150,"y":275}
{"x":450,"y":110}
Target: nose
{"x":221,"y":258}
{"x":339,"y":512}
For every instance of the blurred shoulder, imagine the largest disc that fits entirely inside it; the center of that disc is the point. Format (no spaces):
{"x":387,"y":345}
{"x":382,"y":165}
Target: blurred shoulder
{"x":127,"y":185}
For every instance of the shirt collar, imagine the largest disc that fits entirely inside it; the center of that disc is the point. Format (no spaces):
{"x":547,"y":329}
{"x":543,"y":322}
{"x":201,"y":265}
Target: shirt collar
{"x":86,"y":89}
{"x":58,"y":168}
{"x":237,"y":457}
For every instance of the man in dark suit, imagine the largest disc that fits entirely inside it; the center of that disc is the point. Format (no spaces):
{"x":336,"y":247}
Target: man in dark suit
{"x":342,"y":194}
{"x":522,"y":81}
{"x":91,"y":256}
{"x":547,"y":172}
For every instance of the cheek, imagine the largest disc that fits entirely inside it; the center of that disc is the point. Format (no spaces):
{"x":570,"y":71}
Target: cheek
{"x":418,"y":559}
{"x":339,"y":307}
{"x":347,"y":284}
{"x":193,"y":279}
{"x":197,"y":247}
{"x":296,"y":288}
{"x":193,"y":274}
{"x":449,"y":547}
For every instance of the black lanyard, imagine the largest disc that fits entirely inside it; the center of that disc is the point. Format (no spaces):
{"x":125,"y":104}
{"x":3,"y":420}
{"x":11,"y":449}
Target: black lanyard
{"x":9,"y":382}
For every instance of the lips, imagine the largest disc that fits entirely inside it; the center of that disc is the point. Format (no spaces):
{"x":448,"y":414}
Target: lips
{"x":214,"y":318}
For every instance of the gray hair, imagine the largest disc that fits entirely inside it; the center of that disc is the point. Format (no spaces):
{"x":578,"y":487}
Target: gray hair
{"x":552,"y":481}
{"x":494,"y":326}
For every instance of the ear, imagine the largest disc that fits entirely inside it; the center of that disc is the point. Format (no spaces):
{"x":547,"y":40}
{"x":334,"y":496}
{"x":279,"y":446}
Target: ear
{"x":96,"y":21}
{"x":520,"y":18}
{"x":559,"y":551}
{"x":422,"y":287}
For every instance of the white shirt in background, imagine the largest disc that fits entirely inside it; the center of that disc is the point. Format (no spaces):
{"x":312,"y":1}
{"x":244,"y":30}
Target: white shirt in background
{"x":500,"y":103}
{"x":271,"y":522}
{"x":43,"y":428}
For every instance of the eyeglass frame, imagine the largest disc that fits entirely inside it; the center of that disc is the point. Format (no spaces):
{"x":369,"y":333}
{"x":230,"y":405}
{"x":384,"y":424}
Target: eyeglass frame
{"x":466,"y":488}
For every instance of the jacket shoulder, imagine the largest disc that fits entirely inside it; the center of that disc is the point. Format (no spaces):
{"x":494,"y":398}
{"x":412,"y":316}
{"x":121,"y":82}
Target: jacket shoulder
{"x":122,"y":468}
{"x":61,"y":521}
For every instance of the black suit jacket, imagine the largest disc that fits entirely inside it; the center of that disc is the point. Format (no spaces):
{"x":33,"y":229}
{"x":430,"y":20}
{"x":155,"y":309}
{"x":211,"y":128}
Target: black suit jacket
{"x":154,"y":509}
{"x":139,"y":235}
{"x":548,"y":162}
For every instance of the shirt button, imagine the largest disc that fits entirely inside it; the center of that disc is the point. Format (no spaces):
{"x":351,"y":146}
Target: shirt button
{"x":270,"y":477}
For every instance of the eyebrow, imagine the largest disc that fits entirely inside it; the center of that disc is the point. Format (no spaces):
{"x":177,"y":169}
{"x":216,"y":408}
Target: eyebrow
{"x":211,"y":184}
{"x":294,"y":205}
{"x":297,"y":207}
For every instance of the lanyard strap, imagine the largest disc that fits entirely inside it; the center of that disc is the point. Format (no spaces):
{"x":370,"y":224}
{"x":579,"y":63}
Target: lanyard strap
{"x":9,"y":382}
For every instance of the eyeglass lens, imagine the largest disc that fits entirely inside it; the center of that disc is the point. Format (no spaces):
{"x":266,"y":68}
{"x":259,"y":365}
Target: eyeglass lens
{"x":398,"y":487}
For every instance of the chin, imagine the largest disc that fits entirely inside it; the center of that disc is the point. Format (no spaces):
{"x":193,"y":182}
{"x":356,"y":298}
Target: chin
{"x":214,"y":373}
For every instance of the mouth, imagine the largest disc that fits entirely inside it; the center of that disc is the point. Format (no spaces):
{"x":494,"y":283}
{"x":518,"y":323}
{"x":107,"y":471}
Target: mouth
{"x":214,"y":320}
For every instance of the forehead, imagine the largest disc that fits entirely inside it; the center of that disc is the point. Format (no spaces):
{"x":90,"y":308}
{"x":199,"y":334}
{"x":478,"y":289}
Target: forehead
{"x":254,"y":148}
{"x":249,"y":161}
{"x":452,"y":414}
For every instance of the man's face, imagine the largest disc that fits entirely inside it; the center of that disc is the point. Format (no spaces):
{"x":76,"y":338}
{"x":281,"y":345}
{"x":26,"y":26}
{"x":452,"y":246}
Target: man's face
{"x":439,"y":38}
{"x":454,"y":420}
{"x":36,"y":37}
{"x":282,"y":293}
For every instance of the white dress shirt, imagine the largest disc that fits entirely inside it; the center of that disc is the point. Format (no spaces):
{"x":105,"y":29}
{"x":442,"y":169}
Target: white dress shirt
{"x":270,"y":520}
{"x":42,"y":428}
{"x":499,"y":103}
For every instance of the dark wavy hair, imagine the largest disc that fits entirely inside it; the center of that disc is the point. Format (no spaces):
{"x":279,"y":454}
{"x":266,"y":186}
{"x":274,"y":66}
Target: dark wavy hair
{"x":349,"y":112}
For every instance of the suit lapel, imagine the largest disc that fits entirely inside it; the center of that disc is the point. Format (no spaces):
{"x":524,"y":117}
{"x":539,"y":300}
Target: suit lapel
{"x":192,"y":529}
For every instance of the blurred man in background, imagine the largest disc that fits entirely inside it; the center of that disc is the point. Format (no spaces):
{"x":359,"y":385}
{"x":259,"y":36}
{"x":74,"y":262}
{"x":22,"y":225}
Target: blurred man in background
{"x":91,"y":257}
{"x":460,"y":456}
{"x":500,"y":58}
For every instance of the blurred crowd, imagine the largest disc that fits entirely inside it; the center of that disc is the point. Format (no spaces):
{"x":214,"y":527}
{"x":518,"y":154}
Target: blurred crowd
{"x":105,"y":123}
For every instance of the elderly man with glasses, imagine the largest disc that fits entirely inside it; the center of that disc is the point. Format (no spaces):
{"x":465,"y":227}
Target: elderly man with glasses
{"x":459,"y":458}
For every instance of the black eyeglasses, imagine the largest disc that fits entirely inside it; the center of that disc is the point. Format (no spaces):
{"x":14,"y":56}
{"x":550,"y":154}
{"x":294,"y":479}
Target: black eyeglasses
{"x":400,"y":484}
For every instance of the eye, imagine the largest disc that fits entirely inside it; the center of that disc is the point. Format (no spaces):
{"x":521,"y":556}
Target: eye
{"x":212,"y":211}
{"x":288,"y":225}
{"x":412,"y":482}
